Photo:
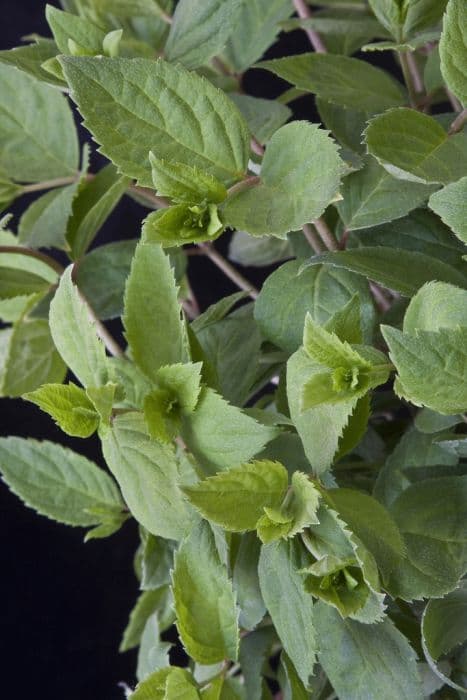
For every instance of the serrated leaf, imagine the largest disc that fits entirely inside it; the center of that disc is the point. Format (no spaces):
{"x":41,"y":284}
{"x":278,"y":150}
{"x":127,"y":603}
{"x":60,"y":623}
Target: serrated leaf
{"x":44,"y":223}
{"x":235,"y":499}
{"x":404,"y":271}
{"x":453,"y":49}
{"x":409,"y":17}
{"x":435,"y":306}
{"x":372,"y":196}
{"x":291,"y":191}
{"x":184,"y":183}
{"x":378,"y":660}
{"x":413,"y":146}
{"x":183,"y":223}
{"x":53,"y":150}
{"x":170,"y":683}
{"x":69,"y":406}
{"x":178,"y":113}
{"x":158,"y":601}
{"x":83,"y":33}
{"x":348,"y":82}
{"x":57,"y":482}
{"x":297,"y":512}
{"x":207,"y":618}
{"x":29,"y":59}
{"x":321,"y":291}
{"x":74,"y":334}
{"x":450,"y":205}
{"x":326,"y":348}
{"x":153,"y":325}
{"x":288,"y":603}
{"x":221,"y":436}
{"x":432,"y":367}
{"x":199,"y":32}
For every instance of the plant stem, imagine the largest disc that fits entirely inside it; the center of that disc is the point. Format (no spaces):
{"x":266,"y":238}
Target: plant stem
{"x":414,"y":72}
{"x":50,"y":184}
{"x":251,"y":181}
{"x":408,"y":78}
{"x":313,"y":239}
{"x":256,"y":147}
{"x":458,"y":123}
{"x":327,"y":236}
{"x":228,"y":269}
{"x":456,"y":105}
{"x":304,"y":12}
{"x":151,"y":198}
{"x":382,"y":303}
{"x":19,"y":250}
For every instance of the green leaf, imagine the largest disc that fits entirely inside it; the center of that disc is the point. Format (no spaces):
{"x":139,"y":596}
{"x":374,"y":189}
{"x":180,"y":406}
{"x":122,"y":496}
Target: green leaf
{"x":372,"y":196}
{"x":74,"y":334}
{"x":435,"y":306}
{"x":170,"y":683}
{"x":148,"y":476}
{"x":95,"y":201}
{"x":264,"y":117}
{"x":431,"y":366}
{"x":183,"y":183}
{"x":245,"y":583}
{"x":33,"y":149}
{"x":291,"y":191}
{"x":236,"y":499}
{"x":404,"y":271}
{"x":153,"y":325}
{"x":57,"y":482}
{"x":29,"y":358}
{"x":153,"y":653}
{"x":133,"y":105}
{"x":326,"y":348}
{"x":221,"y":436}
{"x":207,"y":617}
{"x":101,"y":276}
{"x":371,"y":661}
{"x":69,"y":406}
{"x":453,"y":49}
{"x":69,"y":30}
{"x":444,"y":625}
{"x":156,"y":560}
{"x":159,"y":601}
{"x":413,"y":146}
{"x":29,"y":59}
{"x":183,"y":223}
{"x":403,"y":19}
{"x":44,"y":223}
{"x":320,"y":291}
{"x":16,"y":283}
{"x":131,"y":8}
{"x":255,"y":649}
{"x":288,"y":603}
{"x":258,"y":251}
{"x":345,"y":81}
{"x":320,"y":428}
{"x":199,"y":32}
{"x":450,"y":205}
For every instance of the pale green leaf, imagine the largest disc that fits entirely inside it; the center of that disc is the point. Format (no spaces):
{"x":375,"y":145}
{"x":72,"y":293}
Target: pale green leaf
{"x":207,"y":617}
{"x":245,"y":583}
{"x":292,"y":191}
{"x":413,"y":146}
{"x":153,"y":653}
{"x":348,"y":82}
{"x":183,"y":183}
{"x":74,"y":334}
{"x":372,"y":196}
{"x":44,"y":223}
{"x":404,"y":271}
{"x":450,"y":204}
{"x":57,"y":482}
{"x":431,"y":366}
{"x":200,"y":31}
{"x":264,"y":117}
{"x":327,"y":349}
{"x":133,"y":106}
{"x":453,"y":49}
{"x":374,"y":662}
{"x":221,"y":436}
{"x":183,"y":223}
{"x":436,"y":305}
{"x":236,"y":499}
{"x":153,"y":325}
{"x":407,"y":18}
{"x":171,"y":683}
{"x":30,"y":58}
{"x":131,"y":8}
{"x":147,"y":473}
{"x":32,"y":148}
{"x":288,"y":603}
{"x":158,"y":601}
{"x":83,"y":33}
{"x":69,"y":406}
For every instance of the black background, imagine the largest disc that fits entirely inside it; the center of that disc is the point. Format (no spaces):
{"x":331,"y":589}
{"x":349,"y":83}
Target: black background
{"x":65,"y":604}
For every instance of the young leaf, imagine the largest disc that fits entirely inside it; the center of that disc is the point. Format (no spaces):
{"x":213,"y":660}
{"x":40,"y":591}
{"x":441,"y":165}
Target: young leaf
{"x":147,"y":473}
{"x":453,"y":49}
{"x":378,"y":660}
{"x":413,"y":146}
{"x":161,"y":106}
{"x":431,"y":367}
{"x":183,"y":183}
{"x":153,"y":325}
{"x":171,"y":683}
{"x":221,"y":436}
{"x":207,"y":617}
{"x":291,"y":191}
{"x":326,"y":348}
{"x":450,"y":204}
{"x":288,"y":603}
{"x":199,"y":32}
{"x":236,"y":499}
{"x":405,"y":19}
{"x":69,"y":406}
{"x":183,"y":224}
{"x":83,"y":33}
{"x":53,"y":152}
{"x":74,"y":334}
{"x":345,"y":81}
{"x":57,"y":482}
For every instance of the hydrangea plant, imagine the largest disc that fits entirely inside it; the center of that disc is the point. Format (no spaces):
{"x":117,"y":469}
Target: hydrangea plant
{"x":294,"y":456}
